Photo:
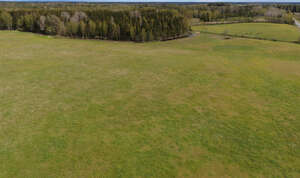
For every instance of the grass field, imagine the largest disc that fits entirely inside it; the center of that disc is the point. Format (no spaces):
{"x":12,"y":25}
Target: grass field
{"x":281,"y":32}
{"x":194,"y":107}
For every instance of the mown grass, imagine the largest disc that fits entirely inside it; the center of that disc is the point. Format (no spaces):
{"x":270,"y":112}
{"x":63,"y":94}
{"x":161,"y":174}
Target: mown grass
{"x":195,"y":107}
{"x":269,"y":31}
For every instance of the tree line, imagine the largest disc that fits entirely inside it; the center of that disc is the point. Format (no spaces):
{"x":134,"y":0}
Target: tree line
{"x":223,"y":11}
{"x":295,"y":8}
{"x":213,"y":12}
{"x":135,"y":22}
{"x":142,"y":24}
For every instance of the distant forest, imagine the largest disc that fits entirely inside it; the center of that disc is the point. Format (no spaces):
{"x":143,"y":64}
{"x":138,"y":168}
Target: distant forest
{"x":134,"y":22}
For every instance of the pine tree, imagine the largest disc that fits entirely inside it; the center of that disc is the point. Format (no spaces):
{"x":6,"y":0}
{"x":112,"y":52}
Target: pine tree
{"x":132,"y":33}
{"x":29,"y":23}
{"x":91,"y":29}
{"x":143,"y":35}
{"x":82,"y":29}
{"x":104,"y":30}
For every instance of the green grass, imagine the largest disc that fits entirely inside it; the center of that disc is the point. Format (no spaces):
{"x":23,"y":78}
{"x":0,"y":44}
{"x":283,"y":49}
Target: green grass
{"x":281,"y":32}
{"x":194,"y":107}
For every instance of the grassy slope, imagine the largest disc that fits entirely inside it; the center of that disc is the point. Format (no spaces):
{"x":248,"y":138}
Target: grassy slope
{"x":193,"y":107}
{"x":269,"y":31}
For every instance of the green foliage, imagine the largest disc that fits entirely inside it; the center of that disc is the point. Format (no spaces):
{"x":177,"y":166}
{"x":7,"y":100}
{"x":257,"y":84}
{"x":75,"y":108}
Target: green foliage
{"x":104,"y":29}
{"x":28,"y":23}
{"x":132,"y":33}
{"x":288,"y":18}
{"x":72,"y":29}
{"x":20,"y":23}
{"x":150,"y":36}
{"x":220,"y":12}
{"x":144,"y":24}
{"x":5,"y":21}
{"x":143,"y":35}
{"x":54,"y":26}
{"x":91,"y":29}
{"x":82,"y":29}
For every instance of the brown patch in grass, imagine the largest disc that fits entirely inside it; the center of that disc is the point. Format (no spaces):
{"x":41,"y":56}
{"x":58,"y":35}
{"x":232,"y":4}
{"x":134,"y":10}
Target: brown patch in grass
{"x":286,"y":67}
{"x":214,"y":169}
{"x":118,"y":72}
{"x":180,"y":95}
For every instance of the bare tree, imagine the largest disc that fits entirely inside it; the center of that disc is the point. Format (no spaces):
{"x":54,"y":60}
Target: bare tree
{"x":79,"y":16}
{"x":273,"y":12}
{"x":65,"y":16}
{"x":42,"y":23}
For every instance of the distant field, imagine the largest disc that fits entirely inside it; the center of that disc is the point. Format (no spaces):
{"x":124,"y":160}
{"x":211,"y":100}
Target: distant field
{"x":194,"y":107}
{"x":269,"y":31}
